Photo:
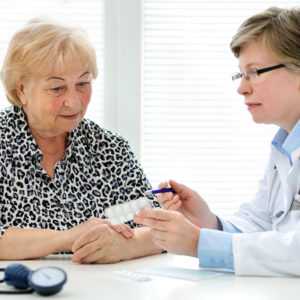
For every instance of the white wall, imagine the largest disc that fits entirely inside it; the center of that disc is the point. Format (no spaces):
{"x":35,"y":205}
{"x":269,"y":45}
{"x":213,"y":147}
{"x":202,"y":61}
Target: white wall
{"x":122,"y":70}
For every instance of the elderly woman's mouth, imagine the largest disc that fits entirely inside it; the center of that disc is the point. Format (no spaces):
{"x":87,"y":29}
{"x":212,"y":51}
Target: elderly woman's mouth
{"x":70,"y":117}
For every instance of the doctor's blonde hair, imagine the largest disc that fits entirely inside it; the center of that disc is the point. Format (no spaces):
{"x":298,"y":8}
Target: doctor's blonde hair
{"x":43,"y":47}
{"x":279,"y":29}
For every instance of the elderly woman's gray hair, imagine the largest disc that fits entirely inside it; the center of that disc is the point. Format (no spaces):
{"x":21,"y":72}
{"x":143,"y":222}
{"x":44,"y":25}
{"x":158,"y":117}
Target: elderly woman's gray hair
{"x":43,"y":47}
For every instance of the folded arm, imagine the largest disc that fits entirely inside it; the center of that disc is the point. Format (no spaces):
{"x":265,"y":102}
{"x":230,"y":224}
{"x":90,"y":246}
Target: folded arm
{"x":22,"y":243}
{"x":103,"y":245}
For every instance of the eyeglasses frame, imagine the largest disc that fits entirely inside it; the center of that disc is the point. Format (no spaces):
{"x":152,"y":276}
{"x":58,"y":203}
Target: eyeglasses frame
{"x":258,"y":71}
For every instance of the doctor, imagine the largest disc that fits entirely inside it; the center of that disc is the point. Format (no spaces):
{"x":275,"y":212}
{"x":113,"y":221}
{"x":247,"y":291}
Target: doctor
{"x":263,"y":237}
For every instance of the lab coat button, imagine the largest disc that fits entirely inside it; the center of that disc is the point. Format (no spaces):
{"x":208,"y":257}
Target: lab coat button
{"x":213,"y":263}
{"x":279,"y":214}
{"x":222,"y":264}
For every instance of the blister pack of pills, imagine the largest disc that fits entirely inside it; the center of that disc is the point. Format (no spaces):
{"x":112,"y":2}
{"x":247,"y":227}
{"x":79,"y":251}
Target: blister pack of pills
{"x":126,"y":211}
{"x":132,"y":275}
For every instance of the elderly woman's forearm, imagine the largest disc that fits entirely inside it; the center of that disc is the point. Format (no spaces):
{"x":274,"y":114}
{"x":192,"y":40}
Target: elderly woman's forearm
{"x":18,"y":243}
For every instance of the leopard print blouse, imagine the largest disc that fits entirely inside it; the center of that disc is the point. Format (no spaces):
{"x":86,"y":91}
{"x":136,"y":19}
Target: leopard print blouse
{"x":97,"y":171}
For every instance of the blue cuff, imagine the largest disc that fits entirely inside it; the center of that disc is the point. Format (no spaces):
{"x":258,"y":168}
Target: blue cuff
{"x":229,"y":227}
{"x":215,"y":249}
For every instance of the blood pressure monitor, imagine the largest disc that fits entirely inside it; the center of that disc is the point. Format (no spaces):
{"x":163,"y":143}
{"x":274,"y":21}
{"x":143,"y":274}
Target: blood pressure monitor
{"x":47,"y":280}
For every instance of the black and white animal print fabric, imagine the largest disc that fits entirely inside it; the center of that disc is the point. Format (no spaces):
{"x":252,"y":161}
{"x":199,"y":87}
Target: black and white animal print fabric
{"x":97,"y":171}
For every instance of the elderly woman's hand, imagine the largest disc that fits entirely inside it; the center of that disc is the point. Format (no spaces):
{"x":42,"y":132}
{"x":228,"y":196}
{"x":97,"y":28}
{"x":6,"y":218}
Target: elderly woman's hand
{"x":124,"y":229}
{"x":74,"y":233}
{"x":100,"y":244}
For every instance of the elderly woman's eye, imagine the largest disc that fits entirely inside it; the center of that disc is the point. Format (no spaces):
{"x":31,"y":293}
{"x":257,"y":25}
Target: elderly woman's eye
{"x":83,"y":84}
{"x":56,"y":89}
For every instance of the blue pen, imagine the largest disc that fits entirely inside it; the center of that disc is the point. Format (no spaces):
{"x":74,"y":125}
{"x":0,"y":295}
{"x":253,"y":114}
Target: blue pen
{"x":165,"y":190}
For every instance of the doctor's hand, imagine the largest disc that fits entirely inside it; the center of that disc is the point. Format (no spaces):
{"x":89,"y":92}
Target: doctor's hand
{"x":99,"y":245}
{"x":189,"y":203}
{"x":170,"y":230}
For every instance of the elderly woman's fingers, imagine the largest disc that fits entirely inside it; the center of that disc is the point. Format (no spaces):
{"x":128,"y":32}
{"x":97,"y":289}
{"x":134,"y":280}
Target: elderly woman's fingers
{"x":96,"y":256}
{"x":97,"y":246}
{"x":86,"y":238}
{"x":124,"y":229}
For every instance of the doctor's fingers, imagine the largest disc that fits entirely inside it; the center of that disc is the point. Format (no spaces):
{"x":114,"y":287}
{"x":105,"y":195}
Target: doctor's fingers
{"x":158,"y":219}
{"x":180,"y":239}
{"x":163,"y":185}
{"x":172,"y":229}
{"x":166,"y":240}
{"x":172,"y":204}
{"x":163,"y":197}
{"x":182,"y":190}
{"x":165,"y":235}
{"x":146,"y":215}
{"x":156,"y":224}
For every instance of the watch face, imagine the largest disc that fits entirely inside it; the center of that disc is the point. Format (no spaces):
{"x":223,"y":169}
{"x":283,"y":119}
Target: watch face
{"x":48,"y":277}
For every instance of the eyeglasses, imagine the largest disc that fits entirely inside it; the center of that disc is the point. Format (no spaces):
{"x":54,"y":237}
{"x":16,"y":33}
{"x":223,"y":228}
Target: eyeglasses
{"x":253,"y":74}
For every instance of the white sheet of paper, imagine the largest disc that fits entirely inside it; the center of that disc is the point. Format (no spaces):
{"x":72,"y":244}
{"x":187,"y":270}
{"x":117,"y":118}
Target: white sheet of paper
{"x":180,"y":273}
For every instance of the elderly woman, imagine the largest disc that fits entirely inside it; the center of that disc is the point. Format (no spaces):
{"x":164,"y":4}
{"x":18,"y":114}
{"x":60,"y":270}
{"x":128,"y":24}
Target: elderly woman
{"x":263,"y":237}
{"x":60,"y":171}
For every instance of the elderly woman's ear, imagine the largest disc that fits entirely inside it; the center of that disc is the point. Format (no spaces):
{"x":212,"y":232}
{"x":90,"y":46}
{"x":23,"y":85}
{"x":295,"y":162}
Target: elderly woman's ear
{"x":21,"y":93}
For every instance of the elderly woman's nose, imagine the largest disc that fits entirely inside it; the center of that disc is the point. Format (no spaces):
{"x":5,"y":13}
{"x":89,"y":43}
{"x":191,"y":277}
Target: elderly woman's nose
{"x":72,"y":98}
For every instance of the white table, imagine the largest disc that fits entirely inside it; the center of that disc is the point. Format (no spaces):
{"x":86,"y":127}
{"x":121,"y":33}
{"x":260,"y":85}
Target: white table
{"x":99,"y":282}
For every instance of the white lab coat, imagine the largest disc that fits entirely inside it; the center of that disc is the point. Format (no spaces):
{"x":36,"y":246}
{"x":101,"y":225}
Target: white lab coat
{"x":270,"y":246}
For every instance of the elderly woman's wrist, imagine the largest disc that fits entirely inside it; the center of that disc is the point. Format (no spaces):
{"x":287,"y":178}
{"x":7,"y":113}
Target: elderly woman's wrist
{"x":65,"y":240}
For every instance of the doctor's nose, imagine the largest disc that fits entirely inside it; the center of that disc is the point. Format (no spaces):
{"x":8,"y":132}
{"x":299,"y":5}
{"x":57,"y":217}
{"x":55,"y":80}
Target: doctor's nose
{"x":244,"y":87}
